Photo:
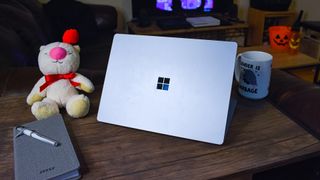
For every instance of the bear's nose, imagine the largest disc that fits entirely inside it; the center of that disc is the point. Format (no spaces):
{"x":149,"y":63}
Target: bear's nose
{"x":58,"y":53}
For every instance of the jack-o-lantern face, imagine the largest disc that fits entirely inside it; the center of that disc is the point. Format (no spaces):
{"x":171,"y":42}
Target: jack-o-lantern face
{"x":281,"y":40}
{"x":294,"y":42}
{"x":279,"y":37}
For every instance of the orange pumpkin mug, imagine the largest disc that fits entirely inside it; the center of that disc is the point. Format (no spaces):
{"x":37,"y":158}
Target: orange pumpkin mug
{"x":279,"y":37}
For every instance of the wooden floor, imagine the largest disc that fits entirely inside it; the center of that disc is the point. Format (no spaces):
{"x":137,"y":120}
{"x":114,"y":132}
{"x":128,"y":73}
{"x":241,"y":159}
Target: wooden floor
{"x":305,"y":74}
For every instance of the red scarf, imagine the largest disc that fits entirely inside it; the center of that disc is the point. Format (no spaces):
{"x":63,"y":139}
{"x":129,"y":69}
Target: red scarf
{"x":55,"y":77}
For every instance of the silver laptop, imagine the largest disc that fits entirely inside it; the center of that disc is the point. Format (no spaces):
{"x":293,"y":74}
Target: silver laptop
{"x":173,"y":86}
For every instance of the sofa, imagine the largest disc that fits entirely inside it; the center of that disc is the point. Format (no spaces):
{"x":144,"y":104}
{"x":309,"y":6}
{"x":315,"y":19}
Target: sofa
{"x":25,"y":25}
{"x":298,"y":99}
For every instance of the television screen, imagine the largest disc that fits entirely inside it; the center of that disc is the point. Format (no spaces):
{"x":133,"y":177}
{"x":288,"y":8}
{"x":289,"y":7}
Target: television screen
{"x":160,"y":8}
{"x":167,"y":5}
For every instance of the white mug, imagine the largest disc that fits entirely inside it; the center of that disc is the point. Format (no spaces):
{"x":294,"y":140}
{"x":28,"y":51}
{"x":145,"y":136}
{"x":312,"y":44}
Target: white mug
{"x":253,"y":71}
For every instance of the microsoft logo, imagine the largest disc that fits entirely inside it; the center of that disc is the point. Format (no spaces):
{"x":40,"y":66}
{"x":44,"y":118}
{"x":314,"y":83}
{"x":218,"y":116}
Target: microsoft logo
{"x":163,"y":83}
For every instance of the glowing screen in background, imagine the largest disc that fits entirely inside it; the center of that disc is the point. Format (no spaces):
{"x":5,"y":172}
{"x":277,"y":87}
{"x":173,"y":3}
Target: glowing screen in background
{"x":166,"y":5}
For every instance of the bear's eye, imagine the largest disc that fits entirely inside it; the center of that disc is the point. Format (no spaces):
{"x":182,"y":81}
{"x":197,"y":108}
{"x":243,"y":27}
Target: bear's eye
{"x":46,"y":53}
{"x":69,"y":52}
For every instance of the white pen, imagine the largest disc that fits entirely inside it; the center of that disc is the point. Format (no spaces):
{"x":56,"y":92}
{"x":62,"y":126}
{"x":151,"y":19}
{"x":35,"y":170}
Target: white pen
{"x":35,"y":135}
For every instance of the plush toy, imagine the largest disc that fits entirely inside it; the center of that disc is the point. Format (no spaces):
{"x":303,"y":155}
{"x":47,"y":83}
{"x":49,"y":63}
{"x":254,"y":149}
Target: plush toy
{"x":59,"y":62}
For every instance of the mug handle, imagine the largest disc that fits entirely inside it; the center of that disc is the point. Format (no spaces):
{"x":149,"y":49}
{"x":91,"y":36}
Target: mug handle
{"x":237,"y":67}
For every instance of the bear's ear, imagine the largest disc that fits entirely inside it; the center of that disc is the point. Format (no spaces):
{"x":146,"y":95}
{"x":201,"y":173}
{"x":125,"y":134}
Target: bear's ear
{"x":42,"y":47}
{"x":77,"y":47}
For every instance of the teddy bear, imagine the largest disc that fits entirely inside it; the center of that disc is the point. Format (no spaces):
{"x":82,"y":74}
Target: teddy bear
{"x":58,"y":62}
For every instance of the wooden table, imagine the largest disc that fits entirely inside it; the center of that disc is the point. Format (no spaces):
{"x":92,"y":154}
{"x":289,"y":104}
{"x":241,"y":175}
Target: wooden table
{"x":286,"y":61}
{"x":260,"y":138}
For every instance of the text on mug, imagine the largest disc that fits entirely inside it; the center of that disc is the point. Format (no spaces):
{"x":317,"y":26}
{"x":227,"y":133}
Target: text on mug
{"x":251,"y":90}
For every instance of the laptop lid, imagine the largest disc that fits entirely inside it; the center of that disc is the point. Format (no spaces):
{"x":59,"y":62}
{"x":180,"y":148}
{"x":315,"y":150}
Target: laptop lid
{"x":173,"y":86}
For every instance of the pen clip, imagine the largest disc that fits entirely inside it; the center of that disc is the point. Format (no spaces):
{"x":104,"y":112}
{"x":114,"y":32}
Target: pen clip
{"x":19,"y":131}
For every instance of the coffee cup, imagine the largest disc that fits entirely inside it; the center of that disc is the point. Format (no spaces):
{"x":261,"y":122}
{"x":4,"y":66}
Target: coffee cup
{"x":253,"y":71}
